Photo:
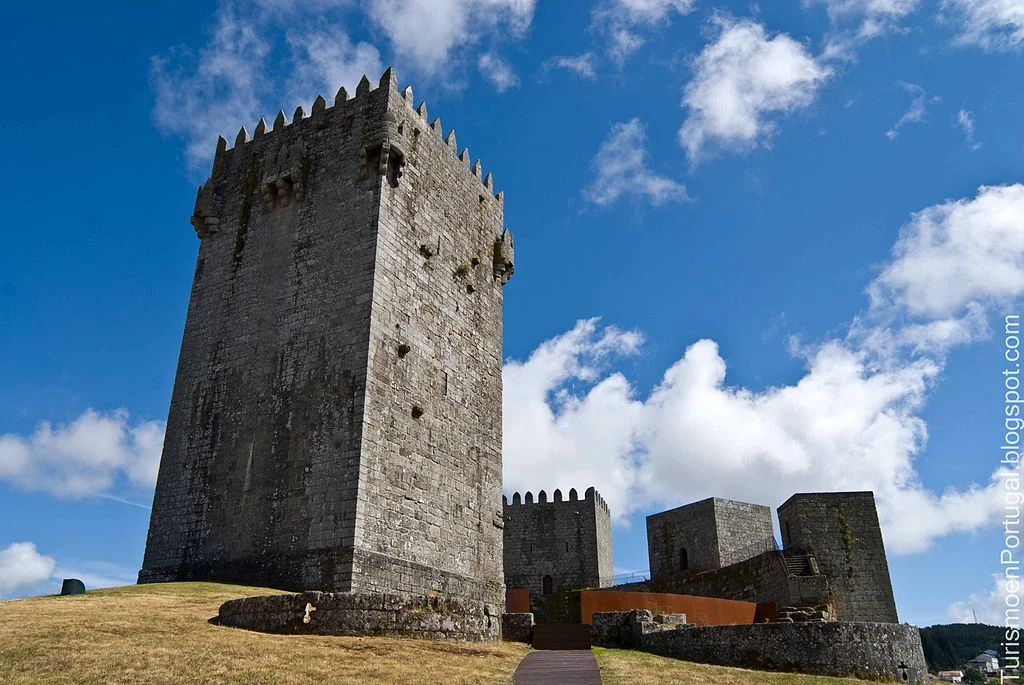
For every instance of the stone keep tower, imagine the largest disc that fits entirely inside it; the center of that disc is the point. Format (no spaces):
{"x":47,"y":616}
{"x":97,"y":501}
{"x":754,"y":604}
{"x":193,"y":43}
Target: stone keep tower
{"x":336,"y":416}
{"x":707,"y":535}
{"x":841,"y":531}
{"x":557,"y":545}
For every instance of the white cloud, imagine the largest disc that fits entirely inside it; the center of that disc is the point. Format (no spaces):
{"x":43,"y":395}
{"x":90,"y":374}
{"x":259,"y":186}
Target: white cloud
{"x":325,"y":60}
{"x":743,"y":79}
{"x":22,"y":567}
{"x":915,"y":112}
{"x":24,"y":571}
{"x":620,"y":168}
{"x":555,"y":438}
{"x":214,"y":92}
{"x":990,"y":608}
{"x":965,"y":121}
{"x":427,"y":32}
{"x":256,"y":52}
{"x":266,"y":55}
{"x":872,"y":17}
{"x":85,"y":457}
{"x":498,"y":72}
{"x":584,"y":65}
{"x":851,"y":422}
{"x":988,"y":24}
{"x":623,"y":22}
{"x":957,"y":253}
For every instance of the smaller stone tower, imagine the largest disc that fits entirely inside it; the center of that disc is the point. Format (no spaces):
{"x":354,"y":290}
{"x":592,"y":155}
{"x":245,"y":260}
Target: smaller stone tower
{"x":707,"y":535}
{"x":841,"y":531}
{"x":557,"y":545}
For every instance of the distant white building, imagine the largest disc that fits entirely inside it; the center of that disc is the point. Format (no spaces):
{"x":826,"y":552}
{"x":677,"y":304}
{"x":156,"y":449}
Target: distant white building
{"x":987,"y":662}
{"x":951,"y":676}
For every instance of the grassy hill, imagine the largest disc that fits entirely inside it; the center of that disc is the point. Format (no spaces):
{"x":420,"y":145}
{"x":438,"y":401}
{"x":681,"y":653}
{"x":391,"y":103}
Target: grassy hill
{"x":161,"y":634}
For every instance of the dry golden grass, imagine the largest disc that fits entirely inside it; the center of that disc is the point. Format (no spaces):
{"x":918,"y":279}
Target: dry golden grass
{"x":160,"y":634}
{"x":626,"y":667}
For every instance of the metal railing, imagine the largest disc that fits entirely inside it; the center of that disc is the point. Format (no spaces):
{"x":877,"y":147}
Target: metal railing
{"x":631,"y":577}
{"x":768,"y":544}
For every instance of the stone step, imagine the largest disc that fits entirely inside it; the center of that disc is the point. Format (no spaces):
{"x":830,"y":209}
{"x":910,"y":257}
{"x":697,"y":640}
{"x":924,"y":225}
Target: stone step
{"x":799,"y":565}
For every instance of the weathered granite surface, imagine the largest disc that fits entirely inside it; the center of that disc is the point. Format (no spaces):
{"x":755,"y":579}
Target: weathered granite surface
{"x":339,"y":613}
{"x":880,"y":651}
{"x":517,"y":627}
{"x":626,"y":629}
{"x":569,"y":540}
{"x":706,"y":535}
{"x":763,"y":578}
{"x":841,"y":530}
{"x":335,"y":422}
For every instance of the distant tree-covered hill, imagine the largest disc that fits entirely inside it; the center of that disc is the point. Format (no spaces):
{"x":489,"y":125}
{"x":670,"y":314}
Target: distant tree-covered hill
{"x":947,"y":647}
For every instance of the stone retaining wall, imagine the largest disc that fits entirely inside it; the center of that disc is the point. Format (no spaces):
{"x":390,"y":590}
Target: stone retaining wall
{"x":627,"y":628}
{"x":877,"y":651}
{"x":763,"y":578}
{"x":329,"y":613}
{"x":517,"y":627}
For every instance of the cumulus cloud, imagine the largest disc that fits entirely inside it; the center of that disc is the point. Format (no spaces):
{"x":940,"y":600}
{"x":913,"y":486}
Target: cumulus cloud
{"x":86,"y":457}
{"x":427,"y":32}
{"x":584,"y":65}
{"x":965,"y":121}
{"x":851,"y":422}
{"x":624,"y":22}
{"x":555,"y":438}
{"x":988,"y":24}
{"x":261,"y":49}
{"x":744,"y":79}
{"x":25,"y":571}
{"x":22,"y":567}
{"x":915,"y":112}
{"x":990,"y":607}
{"x":957,"y":253}
{"x":498,"y":72}
{"x":620,"y":168}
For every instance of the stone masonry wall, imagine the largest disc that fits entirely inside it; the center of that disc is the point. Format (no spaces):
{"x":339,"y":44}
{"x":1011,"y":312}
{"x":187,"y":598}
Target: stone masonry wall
{"x":842,"y":530}
{"x":759,"y":579}
{"x":874,"y":651}
{"x":570,"y":540}
{"x":430,"y":474}
{"x":744,"y":530}
{"x":259,"y":472}
{"x":713,"y":532}
{"x":335,"y":422}
{"x":390,"y":615}
{"x":517,"y":627}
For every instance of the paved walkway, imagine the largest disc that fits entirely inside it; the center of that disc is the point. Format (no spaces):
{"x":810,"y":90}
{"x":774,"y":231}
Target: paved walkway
{"x":558,"y":667}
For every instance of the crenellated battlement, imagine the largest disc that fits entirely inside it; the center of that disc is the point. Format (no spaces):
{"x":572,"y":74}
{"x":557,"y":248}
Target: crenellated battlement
{"x":556,"y":544}
{"x":385,"y":96}
{"x":590,"y":495}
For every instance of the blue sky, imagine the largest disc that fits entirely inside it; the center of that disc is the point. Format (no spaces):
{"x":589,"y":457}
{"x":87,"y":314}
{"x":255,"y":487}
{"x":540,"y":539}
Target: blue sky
{"x":761,"y":249}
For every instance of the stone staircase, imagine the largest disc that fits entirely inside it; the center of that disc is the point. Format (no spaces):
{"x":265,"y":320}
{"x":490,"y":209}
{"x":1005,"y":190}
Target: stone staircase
{"x":800,"y":565}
